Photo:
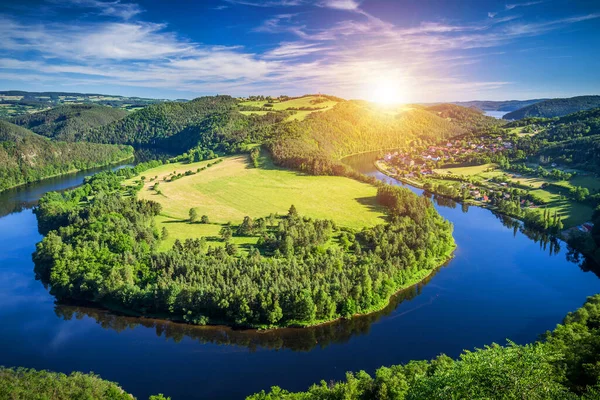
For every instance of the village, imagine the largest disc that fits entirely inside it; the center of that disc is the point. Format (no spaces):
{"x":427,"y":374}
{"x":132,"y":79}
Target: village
{"x":469,"y":171}
{"x":424,"y":162}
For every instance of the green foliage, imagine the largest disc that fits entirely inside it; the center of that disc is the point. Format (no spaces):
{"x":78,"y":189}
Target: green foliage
{"x":103,"y":251}
{"x":556,"y":107}
{"x":193,"y":215}
{"x":209,"y":123}
{"x":23,"y":383}
{"x":69,"y":123}
{"x":27,"y":157}
{"x":316,"y":143}
{"x":469,"y":118}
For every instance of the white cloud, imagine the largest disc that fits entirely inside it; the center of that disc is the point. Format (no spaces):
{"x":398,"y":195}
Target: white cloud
{"x":429,"y":58}
{"x":340,"y":4}
{"x":294,"y":50}
{"x":108,"y":8}
{"x":527,"y":4}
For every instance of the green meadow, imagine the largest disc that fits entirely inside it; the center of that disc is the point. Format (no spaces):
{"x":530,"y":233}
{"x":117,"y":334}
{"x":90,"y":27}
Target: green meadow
{"x":302,"y":102}
{"x":230,"y":190}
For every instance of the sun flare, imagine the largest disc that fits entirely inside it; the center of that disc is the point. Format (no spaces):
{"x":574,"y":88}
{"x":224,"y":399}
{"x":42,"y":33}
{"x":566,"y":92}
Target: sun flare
{"x":387,"y":92}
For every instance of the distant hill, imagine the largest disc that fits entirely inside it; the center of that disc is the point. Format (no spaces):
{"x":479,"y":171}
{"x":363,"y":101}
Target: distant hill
{"x":69,"y":122}
{"x":507,"y":105}
{"x":213,"y":123}
{"x":467,"y":117}
{"x":14,"y":103}
{"x":555,"y":107}
{"x":28,"y":157}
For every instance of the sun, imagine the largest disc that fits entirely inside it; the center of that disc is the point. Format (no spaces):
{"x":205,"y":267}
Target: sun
{"x":386,"y":92}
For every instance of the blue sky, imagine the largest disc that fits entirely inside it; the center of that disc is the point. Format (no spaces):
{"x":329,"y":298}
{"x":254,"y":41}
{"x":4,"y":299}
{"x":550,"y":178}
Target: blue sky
{"x":429,"y":50}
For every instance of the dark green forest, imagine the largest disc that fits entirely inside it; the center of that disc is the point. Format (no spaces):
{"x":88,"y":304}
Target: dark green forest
{"x":302,"y":271}
{"x":69,"y":123}
{"x":21,"y":383}
{"x":27,"y":157}
{"x":555,"y":107}
{"x":210,"y":122}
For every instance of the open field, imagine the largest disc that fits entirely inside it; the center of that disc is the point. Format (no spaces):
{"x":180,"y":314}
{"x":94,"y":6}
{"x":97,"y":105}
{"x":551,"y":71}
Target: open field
{"x":307,"y":101}
{"x":183,"y":229}
{"x":229,"y":191}
{"x":478,"y":171}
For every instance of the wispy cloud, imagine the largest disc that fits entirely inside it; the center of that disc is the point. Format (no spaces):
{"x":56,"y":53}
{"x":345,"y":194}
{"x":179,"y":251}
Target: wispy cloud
{"x":350,"y":5}
{"x":342,"y":57}
{"x":108,"y":8}
{"x":527,"y":4}
{"x":267,"y":3}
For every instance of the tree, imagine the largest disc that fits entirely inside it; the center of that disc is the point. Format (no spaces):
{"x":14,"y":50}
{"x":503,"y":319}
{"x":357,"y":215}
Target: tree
{"x":231,"y":249}
{"x":226,"y":233}
{"x":164,"y":234}
{"x":204,"y":219}
{"x":193,"y":215}
{"x":292,"y":212}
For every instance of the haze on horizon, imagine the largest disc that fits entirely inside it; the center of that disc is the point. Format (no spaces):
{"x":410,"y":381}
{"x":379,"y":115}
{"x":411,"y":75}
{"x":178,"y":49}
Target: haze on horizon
{"x":424,"y":51}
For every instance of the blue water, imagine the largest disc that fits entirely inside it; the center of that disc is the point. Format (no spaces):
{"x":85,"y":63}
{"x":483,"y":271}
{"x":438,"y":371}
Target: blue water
{"x":496,"y":114}
{"x":500,"y":285}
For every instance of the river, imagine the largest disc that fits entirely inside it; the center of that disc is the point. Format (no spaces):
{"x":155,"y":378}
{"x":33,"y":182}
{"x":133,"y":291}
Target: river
{"x":500,"y":284}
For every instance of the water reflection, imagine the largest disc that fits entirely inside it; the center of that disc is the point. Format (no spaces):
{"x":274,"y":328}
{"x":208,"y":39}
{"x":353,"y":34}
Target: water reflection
{"x":295,"y":339}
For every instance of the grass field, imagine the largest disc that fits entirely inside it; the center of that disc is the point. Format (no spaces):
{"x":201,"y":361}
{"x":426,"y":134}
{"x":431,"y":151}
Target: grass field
{"x":306,"y":101}
{"x":478,"y":171}
{"x":233,"y":189}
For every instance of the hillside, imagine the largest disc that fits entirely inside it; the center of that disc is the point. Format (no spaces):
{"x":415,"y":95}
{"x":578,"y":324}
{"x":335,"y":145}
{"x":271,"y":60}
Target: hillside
{"x":69,"y":122}
{"x":211,"y":122}
{"x":507,"y":105}
{"x":15,"y":103}
{"x":298,"y":108}
{"x":27,"y":157}
{"x":469,"y":118}
{"x":555,"y":107}
{"x":316,"y":143}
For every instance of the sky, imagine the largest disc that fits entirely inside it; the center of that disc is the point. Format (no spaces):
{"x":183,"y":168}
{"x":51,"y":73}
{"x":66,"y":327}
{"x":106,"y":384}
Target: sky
{"x":411,"y":51}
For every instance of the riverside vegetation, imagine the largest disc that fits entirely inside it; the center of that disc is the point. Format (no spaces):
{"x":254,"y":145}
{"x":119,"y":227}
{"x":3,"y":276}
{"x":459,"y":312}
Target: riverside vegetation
{"x":564,"y":364}
{"x":26,"y":157}
{"x":104,"y":252}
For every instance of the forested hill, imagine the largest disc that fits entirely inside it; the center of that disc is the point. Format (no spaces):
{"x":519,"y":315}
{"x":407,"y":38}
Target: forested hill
{"x":69,"y":122}
{"x":155,"y":123}
{"x":318,"y":142}
{"x":467,"y":117}
{"x":555,"y":107}
{"x":27,"y":157}
{"x":507,"y":105}
{"x":573,"y":140}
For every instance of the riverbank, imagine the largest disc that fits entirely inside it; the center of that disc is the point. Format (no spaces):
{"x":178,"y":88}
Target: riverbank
{"x":384,"y":169}
{"x":411,"y":283}
{"x":72,"y":171}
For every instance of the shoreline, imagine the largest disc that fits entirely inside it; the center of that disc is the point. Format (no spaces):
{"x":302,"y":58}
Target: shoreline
{"x":73,"y":171}
{"x":475,"y":203}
